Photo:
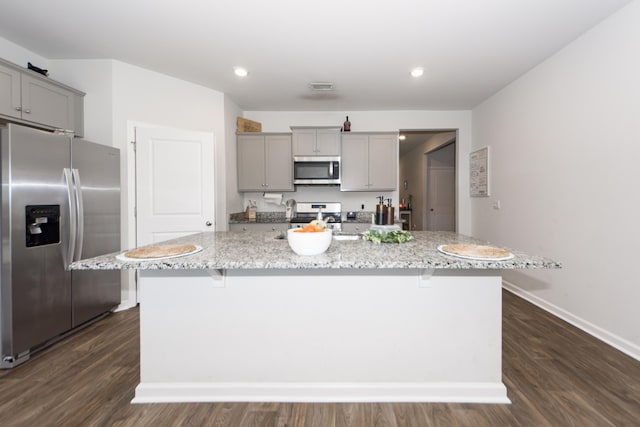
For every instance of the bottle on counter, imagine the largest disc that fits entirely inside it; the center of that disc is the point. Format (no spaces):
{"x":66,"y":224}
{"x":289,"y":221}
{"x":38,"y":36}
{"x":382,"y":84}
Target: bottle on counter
{"x":390,"y":216}
{"x":381,"y":217}
{"x":346,"y":127}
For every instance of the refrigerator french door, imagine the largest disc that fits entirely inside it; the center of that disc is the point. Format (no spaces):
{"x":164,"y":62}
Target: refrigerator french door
{"x":60,"y":203}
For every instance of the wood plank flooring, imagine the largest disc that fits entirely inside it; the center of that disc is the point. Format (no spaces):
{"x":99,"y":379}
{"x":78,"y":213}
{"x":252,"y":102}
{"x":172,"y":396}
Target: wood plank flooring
{"x":555,"y":374}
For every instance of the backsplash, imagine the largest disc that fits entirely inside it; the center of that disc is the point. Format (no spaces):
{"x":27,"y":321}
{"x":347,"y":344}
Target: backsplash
{"x":351,"y":200}
{"x":279,"y":217}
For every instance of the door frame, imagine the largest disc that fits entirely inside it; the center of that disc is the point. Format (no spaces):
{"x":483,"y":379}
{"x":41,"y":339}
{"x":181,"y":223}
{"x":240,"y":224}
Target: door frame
{"x":129,"y":278}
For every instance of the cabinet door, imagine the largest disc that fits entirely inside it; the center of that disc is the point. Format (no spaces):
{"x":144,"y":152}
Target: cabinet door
{"x":304,"y":142}
{"x":383,"y":162}
{"x":48,"y":104}
{"x":354,"y":163}
{"x":251,"y":172}
{"x":10,"y":103}
{"x":328,"y":142}
{"x":278,"y":163}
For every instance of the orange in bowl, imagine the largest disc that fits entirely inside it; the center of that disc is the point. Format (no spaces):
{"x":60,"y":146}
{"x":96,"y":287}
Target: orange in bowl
{"x":309,"y":240}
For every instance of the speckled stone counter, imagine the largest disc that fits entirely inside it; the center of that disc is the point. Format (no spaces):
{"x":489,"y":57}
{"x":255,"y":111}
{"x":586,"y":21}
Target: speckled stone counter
{"x":264,"y":250}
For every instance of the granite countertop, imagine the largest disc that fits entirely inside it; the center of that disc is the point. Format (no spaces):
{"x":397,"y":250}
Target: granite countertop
{"x":263,"y":250}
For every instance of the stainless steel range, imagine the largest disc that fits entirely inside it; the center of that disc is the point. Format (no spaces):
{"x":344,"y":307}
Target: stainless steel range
{"x":308,"y":211}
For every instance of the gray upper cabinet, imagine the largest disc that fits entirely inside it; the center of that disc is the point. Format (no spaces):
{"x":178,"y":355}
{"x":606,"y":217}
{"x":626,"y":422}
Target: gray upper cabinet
{"x":369,"y":162}
{"x":29,"y":98}
{"x":265,"y":162}
{"x":316,"y":141}
{"x":10,"y":100}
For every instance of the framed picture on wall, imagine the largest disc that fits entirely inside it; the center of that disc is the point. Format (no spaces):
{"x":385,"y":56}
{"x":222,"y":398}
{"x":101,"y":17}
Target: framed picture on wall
{"x":479,"y":173}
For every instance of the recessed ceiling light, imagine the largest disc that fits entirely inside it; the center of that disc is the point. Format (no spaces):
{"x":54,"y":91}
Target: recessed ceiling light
{"x":417,"y":72}
{"x":240,"y":72}
{"x":402,"y":137}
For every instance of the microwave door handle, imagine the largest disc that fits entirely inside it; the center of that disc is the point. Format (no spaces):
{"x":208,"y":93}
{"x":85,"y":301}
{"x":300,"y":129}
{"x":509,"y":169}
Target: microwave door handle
{"x":330,"y":169}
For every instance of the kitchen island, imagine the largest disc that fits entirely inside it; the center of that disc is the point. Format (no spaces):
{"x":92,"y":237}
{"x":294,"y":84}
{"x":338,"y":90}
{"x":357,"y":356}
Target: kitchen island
{"x":246,"y":319}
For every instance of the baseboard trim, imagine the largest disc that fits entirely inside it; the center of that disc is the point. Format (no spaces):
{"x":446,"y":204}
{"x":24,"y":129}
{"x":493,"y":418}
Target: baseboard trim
{"x":605,"y":336}
{"x":321,"y":392}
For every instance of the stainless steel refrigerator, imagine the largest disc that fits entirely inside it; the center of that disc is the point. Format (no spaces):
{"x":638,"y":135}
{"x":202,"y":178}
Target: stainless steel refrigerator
{"x":60,"y":203}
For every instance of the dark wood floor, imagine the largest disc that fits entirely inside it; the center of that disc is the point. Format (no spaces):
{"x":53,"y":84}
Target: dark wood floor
{"x":555,"y":374}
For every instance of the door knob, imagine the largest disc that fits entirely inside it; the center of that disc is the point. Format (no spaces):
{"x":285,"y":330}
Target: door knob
{"x":208,"y":224}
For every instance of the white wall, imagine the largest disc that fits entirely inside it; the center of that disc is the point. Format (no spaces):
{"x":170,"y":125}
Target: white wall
{"x":235,"y":200}
{"x":21,"y":56}
{"x":95,"y":79}
{"x":564,"y":144}
{"x":375,"y":121}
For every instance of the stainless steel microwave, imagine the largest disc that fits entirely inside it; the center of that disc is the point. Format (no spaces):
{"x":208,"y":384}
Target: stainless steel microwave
{"x":316,"y":170}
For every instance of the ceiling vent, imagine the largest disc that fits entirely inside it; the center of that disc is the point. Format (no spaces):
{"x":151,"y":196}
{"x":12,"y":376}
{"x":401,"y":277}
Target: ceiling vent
{"x":322,"y":86}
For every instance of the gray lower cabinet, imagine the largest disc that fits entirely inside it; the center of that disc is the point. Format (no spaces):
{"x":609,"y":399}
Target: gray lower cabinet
{"x":369,"y":162}
{"x":265,"y":162}
{"x":30,"y":98}
{"x":259,"y":227}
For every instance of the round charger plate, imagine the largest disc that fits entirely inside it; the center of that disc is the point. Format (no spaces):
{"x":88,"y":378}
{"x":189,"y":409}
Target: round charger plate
{"x":476,"y":258}
{"x":123,"y":257}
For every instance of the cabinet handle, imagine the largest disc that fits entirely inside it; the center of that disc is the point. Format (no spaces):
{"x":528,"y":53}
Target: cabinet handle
{"x":27,"y":111}
{"x":18,"y":108}
{"x":208,"y":224}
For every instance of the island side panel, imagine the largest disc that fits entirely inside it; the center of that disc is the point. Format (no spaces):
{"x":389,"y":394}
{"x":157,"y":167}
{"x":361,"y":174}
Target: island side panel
{"x":320,"y":335}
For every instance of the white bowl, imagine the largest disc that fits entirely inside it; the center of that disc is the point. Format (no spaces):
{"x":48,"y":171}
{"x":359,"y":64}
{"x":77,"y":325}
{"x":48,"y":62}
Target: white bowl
{"x":304,"y":243}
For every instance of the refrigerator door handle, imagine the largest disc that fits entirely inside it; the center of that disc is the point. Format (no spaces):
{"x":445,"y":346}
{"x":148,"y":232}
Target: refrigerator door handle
{"x":72,"y":217}
{"x":79,"y":215}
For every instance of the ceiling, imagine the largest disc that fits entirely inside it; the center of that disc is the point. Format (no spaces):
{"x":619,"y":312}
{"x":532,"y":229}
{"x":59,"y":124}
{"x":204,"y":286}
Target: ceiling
{"x":469,"y":49}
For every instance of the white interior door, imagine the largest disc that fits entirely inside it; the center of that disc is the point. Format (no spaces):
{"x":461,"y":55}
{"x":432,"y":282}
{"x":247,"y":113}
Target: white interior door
{"x":441,"y":199}
{"x":174,"y":183}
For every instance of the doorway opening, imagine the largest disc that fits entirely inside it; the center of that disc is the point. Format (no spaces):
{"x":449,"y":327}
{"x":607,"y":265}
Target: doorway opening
{"x":427,"y":168}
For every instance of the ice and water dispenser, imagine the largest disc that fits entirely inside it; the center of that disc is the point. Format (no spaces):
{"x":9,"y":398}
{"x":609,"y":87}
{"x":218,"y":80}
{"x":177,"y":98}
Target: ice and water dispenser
{"x":42,"y":224}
